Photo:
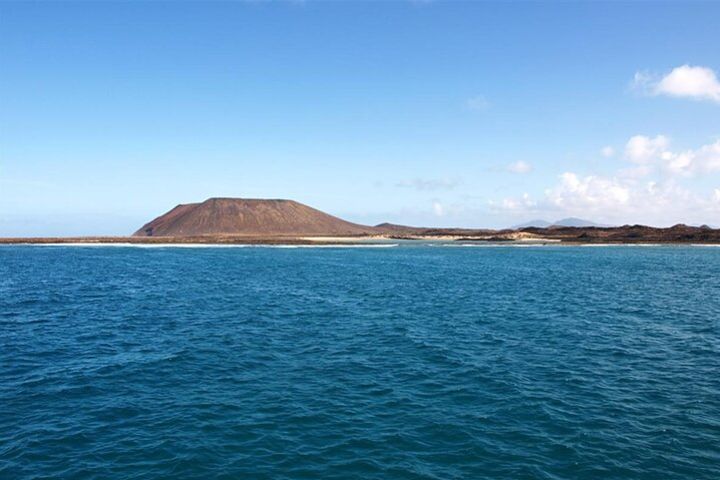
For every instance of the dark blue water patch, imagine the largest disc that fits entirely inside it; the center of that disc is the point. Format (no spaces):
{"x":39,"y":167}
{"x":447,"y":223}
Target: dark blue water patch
{"x":392,"y":363}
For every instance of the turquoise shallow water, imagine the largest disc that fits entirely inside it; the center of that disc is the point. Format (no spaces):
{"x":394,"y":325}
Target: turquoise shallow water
{"x":392,"y":363}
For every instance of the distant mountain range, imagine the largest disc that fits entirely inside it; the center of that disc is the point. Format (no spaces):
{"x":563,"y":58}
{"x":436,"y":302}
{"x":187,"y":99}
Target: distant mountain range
{"x":565,"y":222}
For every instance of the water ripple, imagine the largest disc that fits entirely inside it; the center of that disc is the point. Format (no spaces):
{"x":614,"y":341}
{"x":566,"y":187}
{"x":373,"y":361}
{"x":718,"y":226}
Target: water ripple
{"x":392,"y":363}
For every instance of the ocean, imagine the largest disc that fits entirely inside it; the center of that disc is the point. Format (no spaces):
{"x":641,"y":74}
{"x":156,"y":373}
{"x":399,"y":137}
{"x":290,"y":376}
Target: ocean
{"x":404,"y":362}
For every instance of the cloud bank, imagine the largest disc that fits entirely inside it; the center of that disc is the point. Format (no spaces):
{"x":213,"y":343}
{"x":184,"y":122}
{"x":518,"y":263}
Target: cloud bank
{"x":650,"y":191}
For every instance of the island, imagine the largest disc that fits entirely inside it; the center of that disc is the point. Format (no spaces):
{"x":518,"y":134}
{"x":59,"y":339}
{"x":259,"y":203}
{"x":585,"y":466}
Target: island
{"x":279,"y":221}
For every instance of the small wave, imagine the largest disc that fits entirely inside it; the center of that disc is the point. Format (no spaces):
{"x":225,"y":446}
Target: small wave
{"x":137,"y":245}
{"x":201,"y":245}
{"x":569,"y":245}
{"x":354,"y":245}
{"x":598,"y":245}
{"x":612,"y":245}
{"x":495,"y":245}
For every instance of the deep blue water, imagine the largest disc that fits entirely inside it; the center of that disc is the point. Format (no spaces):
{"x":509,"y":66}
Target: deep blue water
{"x":392,"y":363}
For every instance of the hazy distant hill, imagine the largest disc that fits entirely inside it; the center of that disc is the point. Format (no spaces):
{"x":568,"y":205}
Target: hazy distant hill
{"x":532,"y":223}
{"x":565,"y":222}
{"x":237,"y":216}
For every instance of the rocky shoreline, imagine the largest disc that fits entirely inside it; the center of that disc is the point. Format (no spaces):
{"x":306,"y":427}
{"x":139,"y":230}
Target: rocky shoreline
{"x":635,"y":234}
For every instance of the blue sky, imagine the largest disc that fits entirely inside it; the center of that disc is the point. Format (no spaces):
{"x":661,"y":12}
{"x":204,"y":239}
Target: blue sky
{"x":425,"y":113}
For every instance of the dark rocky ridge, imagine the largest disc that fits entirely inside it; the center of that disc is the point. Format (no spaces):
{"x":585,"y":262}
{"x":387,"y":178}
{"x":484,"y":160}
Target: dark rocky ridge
{"x":625,"y":234}
{"x":630,"y":234}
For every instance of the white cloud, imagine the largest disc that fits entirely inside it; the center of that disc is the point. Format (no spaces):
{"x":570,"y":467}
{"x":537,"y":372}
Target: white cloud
{"x":648,"y":192}
{"x":649,"y":153}
{"x":589,"y":192}
{"x":524,"y":203}
{"x":694,"y":82}
{"x":643,"y":150}
{"x":430,"y":184}
{"x":519,"y":167}
{"x":438,"y":209}
{"x":618,"y":200}
{"x":478,"y":103}
{"x":698,"y":83}
{"x":639,"y":171}
{"x":706,"y":159}
{"x":607,"y":151}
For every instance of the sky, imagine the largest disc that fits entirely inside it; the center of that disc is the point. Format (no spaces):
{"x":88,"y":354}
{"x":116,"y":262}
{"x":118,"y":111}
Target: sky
{"x":427,"y":113}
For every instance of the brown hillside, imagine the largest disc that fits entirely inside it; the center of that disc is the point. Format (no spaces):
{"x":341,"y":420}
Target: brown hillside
{"x":238,"y":216}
